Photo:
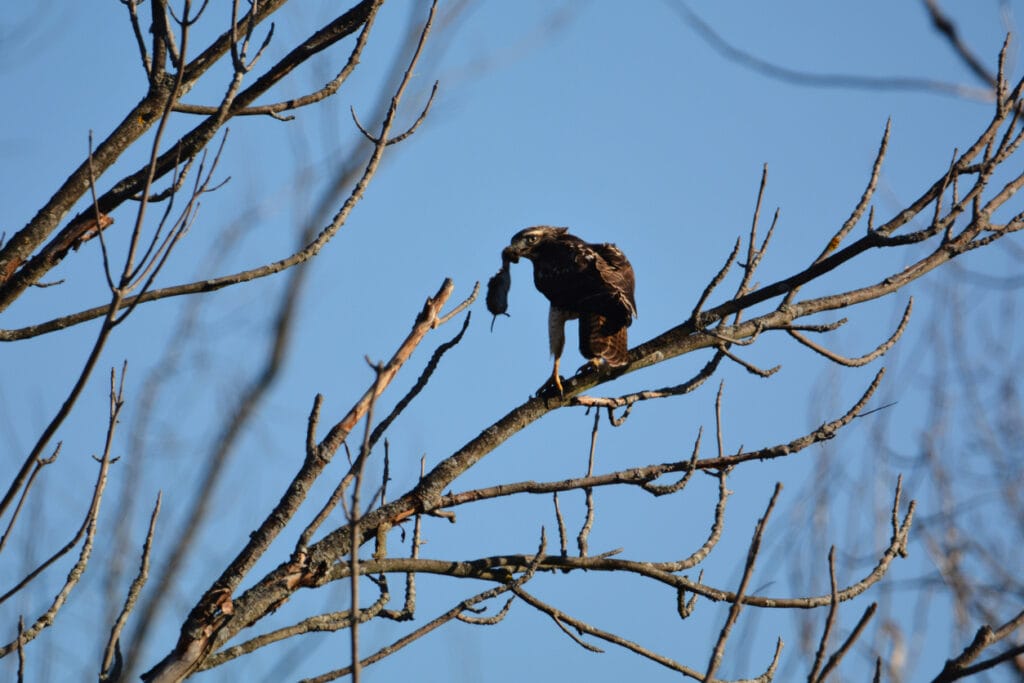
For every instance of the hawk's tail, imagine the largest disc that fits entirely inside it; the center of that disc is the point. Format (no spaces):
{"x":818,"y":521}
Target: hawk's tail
{"x":599,"y":339}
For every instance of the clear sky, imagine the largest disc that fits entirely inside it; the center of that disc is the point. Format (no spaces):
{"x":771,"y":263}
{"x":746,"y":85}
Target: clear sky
{"x":619,"y":120}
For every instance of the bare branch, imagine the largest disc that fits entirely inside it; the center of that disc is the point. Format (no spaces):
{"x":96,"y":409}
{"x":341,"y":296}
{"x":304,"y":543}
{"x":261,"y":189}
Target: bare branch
{"x":110,"y":666}
{"x":394,"y":647}
{"x":865,"y":199}
{"x":199,"y":637}
{"x":663,"y":490}
{"x":860,"y":360}
{"x":487,"y":621}
{"x":714,"y":535}
{"x":830,"y":621}
{"x":40,"y":464}
{"x":823,"y":80}
{"x":560,"y":521}
{"x":133,"y":17}
{"x":354,"y":518}
{"x":755,"y":253}
{"x":87,"y":530}
{"x":563,"y":620}
{"x":640,"y":475}
{"x":500,"y":568}
{"x":960,"y":666}
{"x":424,"y":378}
{"x":320,"y":623}
{"x":715,"y":281}
{"x":419,"y":119}
{"x":21,"y":648}
{"x":944,"y":25}
{"x":647,"y":394}
{"x":737,"y":605}
{"x":749,"y":367}
{"x":838,"y":655}
{"x":453,"y":613}
{"x":582,"y":539}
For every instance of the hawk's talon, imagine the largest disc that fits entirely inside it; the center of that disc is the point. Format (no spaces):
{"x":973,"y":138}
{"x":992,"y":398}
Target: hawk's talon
{"x":552,"y":388}
{"x":594,"y":365}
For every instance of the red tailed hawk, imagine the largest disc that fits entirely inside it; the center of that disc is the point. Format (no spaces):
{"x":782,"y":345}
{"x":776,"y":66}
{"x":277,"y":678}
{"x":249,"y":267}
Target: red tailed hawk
{"x":593,"y":283}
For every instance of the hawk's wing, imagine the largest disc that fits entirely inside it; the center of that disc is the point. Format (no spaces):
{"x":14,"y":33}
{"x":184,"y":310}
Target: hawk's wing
{"x":617,"y":277}
{"x":603,"y":334}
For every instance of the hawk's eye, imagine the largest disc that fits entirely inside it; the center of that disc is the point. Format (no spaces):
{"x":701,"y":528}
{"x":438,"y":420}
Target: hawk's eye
{"x":530,"y":239}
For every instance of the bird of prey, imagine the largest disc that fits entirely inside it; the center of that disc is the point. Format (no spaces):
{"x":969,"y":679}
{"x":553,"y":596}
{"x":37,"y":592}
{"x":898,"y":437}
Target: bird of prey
{"x":593,"y":283}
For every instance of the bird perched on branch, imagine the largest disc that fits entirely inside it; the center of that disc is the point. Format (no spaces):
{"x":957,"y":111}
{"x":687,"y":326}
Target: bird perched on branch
{"x":593,"y":283}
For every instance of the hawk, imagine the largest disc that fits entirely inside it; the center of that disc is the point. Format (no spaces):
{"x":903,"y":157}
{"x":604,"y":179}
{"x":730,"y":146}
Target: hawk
{"x":593,"y":283}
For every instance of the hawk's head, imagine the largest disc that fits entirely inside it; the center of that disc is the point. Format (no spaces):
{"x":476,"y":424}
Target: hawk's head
{"x":525,"y":242}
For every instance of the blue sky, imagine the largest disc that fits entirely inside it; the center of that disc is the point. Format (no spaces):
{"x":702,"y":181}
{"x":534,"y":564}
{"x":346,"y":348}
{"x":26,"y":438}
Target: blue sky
{"x":628,"y":128}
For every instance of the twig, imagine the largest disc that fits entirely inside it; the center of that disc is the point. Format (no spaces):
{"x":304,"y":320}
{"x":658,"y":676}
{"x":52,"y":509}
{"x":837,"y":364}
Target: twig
{"x":419,"y":119}
{"x":865,"y":199}
{"x":133,"y":17}
{"x":562,"y":620}
{"x":487,"y":621}
{"x":384,"y":138}
{"x":819,"y":655}
{"x":822,"y":80}
{"x":560,"y":521}
{"x":428,"y":370}
{"x":737,"y":605}
{"x":715,"y":281}
{"x":588,"y":523}
{"x":629,"y":400}
{"x":354,"y":519}
{"x":685,"y":607}
{"x":944,"y":25}
{"x":749,"y":367}
{"x":411,"y":637}
{"x":21,"y":648}
{"x":838,"y":655}
{"x":715,"y":533}
{"x":110,"y":665}
{"x":858,"y":361}
{"x":718,"y":419}
{"x":755,"y":253}
{"x":40,"y":464}
{"x":320,"y":623}
{"x":664,"y":490}
{"x":960,"y":666}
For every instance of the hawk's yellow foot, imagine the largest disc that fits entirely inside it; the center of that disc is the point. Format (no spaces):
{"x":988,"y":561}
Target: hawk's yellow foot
{"x":556,"y":379}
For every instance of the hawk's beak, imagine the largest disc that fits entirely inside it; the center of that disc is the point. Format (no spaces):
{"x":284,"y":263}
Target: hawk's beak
{"x":509,"y":254}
